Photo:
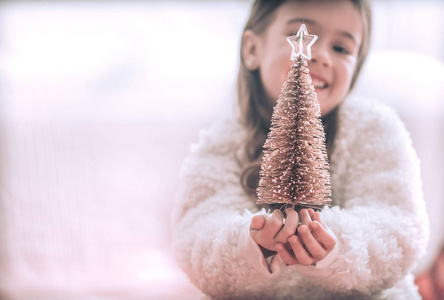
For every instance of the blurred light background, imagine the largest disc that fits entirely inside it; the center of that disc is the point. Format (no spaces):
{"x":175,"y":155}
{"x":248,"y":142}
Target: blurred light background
{"x":100,"y":101}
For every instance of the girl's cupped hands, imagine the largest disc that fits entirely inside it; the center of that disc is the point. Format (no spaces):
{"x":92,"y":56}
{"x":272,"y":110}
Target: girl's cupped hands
{"x":303,"y":243}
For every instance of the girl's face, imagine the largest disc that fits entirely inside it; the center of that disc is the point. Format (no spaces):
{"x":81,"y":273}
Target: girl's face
{"x":338,"y":25}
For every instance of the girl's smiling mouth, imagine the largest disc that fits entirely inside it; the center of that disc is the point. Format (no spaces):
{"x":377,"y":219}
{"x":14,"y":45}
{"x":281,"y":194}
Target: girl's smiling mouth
{"x":319,"y":82}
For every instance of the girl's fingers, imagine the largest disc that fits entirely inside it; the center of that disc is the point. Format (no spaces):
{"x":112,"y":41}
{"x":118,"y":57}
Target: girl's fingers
{"x":274,"y":224}
{"x":315,"y":249}
{"x":323,"y":236}
{"x":285,"y":255}
{"x":289,"y":229}
{"x":263,"y":229}
{"x":265,"y":236}
{"x":305,"y":217}
{"x":299,"y":252}
{"x":257,"y":222}
{"x":311,"y":212}
{"x":317,"y":217}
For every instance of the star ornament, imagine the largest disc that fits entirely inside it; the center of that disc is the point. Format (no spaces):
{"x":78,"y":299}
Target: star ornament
{"x":301,"y":43}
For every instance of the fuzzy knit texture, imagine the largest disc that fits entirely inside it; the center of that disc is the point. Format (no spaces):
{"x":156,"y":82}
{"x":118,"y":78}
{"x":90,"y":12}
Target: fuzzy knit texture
{"x":378,"y":215}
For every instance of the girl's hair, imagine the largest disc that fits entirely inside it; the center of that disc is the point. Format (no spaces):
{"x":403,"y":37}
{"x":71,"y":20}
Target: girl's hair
{"x":256,"y":110}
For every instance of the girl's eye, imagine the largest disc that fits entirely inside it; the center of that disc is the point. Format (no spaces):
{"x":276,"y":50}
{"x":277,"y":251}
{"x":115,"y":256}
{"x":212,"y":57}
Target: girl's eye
{"x":341,"y":50}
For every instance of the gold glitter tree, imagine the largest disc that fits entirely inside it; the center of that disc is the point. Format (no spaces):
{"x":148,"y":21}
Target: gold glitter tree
{"x":294,"y":168}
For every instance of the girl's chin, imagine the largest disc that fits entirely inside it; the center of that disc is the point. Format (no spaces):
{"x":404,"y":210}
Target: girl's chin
{"x":320,"y":95}
{"x":323,"y":95}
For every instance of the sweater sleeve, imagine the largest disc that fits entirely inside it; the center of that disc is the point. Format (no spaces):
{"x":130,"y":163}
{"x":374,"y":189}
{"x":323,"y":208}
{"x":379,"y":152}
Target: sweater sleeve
{"x":211,"y":214}
{"x":382,"y":225}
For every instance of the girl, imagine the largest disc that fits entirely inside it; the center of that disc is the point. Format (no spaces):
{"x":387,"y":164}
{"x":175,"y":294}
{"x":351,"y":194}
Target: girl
{"x":363,"y":247}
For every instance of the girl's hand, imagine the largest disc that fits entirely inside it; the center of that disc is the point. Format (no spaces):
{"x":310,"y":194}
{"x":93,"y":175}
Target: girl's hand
{"x":269,"y":231}
{"x":311,"y":244}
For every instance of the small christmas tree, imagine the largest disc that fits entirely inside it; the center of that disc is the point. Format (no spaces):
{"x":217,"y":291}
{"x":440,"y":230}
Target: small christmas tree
{"x":294,"y":168}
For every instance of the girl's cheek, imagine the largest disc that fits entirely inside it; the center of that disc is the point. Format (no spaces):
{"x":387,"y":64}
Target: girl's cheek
{"x":351,"y":60}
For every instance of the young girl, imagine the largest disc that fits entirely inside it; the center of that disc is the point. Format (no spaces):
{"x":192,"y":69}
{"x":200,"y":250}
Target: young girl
{"x":364,"y":246}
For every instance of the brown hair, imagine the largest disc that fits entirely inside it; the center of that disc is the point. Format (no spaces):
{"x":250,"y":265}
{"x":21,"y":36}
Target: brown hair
{"x":255,"y":109}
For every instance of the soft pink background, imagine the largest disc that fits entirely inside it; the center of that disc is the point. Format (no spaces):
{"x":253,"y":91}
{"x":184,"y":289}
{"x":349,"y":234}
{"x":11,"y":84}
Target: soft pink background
{"x":99,"y":104}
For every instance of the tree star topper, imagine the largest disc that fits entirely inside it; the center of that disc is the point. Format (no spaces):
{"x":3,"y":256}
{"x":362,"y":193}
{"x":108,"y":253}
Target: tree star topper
{"x":301,"y":43}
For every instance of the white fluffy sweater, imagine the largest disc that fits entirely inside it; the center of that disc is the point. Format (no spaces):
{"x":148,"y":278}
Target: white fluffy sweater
{"x":378,"y":217}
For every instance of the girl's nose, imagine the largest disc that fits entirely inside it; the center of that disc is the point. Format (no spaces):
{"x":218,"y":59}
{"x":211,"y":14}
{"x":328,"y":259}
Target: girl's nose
{"x":321,"y":56}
